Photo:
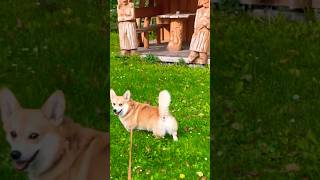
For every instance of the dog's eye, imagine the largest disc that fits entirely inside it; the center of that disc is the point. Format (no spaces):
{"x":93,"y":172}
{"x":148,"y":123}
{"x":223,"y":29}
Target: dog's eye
{"x":120,"y":104}
{"x":114,"y":104}
{"x":13,"y":134}
{"x":33,"y":136}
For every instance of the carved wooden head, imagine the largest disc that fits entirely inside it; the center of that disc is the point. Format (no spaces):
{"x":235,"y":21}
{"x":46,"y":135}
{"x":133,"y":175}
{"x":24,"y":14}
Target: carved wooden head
{"x":202,"y":2}
{"x":123,"y":2}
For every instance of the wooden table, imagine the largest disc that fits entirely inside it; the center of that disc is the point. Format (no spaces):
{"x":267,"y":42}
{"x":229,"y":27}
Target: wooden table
{"x":176,"y":29}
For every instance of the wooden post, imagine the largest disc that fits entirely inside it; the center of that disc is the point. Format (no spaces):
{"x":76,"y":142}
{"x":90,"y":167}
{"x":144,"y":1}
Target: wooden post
{"x":146,"y":23}
{"x":145,"y":35}
{"x":165,"y":30}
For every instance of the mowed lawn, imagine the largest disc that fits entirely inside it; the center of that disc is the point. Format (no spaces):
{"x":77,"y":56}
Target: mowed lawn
{"x":42,"y":50}
{"x":153,"y":158}
{"x":266,"y":109}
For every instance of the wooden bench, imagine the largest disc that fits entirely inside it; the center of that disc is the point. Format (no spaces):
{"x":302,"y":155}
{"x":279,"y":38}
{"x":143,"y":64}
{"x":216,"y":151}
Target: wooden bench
{"x":145,"y":31}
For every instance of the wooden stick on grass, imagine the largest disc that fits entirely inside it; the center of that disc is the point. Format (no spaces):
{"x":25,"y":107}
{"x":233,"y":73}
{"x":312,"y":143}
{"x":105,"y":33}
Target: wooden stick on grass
{"x":130,"y":156}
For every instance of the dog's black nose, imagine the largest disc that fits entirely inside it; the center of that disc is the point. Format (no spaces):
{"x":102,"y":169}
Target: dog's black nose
{"x":114,"y":110}
{"x":15,"y":155}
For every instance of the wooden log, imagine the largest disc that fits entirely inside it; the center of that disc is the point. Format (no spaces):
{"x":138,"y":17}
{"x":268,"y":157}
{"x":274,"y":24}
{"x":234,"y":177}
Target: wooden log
{"x":176,"y":33}
{"x":145,"y":35}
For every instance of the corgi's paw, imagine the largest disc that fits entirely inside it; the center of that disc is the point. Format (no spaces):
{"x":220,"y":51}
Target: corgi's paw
{"x":157,"y":136}
{"x":175,"y":138}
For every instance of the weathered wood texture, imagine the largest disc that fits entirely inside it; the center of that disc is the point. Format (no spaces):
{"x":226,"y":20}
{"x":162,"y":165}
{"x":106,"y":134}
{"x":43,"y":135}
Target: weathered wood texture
{"x":127,"y":27}
{"x":152,"y":8}
{"x":176,"y":38}
{"x":164,"y":55}
{"x":200,"y":43}
{"x":147,"y":12}
{"x":172,"y":6}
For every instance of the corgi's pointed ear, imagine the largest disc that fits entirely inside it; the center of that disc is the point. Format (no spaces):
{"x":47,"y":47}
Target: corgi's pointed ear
{"x":127,"y":95}
{"x":8,"y":104}
{"x":112,"y":94}
{"x":54,"y":107}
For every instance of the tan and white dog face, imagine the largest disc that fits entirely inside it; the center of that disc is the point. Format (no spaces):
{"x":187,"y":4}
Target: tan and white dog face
{"x":32,"y":133}
{"x":120,"y":103}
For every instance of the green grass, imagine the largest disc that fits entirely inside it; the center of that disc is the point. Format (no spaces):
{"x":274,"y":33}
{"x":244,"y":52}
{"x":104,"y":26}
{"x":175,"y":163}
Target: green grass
{"x":162,"y":158}
{"x":60,"y":48}
{"x":267,"y":88}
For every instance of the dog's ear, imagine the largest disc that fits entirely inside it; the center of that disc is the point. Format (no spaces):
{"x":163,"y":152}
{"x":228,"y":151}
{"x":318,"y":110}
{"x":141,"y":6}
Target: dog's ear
{"x":112,"y":94}
{"x":54,"y":107}
{"x":8,"y":104}
{"x":127,"y":95}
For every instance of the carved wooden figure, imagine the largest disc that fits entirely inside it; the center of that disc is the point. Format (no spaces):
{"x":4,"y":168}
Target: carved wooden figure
{"x":176,"y":33}
{"x":127,"y":27}
{"x":200,"y":42}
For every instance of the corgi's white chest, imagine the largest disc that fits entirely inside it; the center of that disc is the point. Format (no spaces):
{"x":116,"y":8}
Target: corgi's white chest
{"x":124,"y":123}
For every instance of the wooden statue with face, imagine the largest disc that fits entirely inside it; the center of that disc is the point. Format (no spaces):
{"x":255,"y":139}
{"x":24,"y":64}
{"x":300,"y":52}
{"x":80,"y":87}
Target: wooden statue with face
{"x":200,"y":42}
{"x":127,"y":27}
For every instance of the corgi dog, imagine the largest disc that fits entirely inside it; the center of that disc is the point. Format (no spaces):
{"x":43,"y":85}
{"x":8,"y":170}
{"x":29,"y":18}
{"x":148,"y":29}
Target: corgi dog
{"x":142,"y":116}
{"x":50,"y":146}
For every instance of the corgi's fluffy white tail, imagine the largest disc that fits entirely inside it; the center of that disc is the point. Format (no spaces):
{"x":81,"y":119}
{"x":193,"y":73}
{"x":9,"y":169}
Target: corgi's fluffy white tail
{"x":164,"y":103}
{"x":168,"y":122}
